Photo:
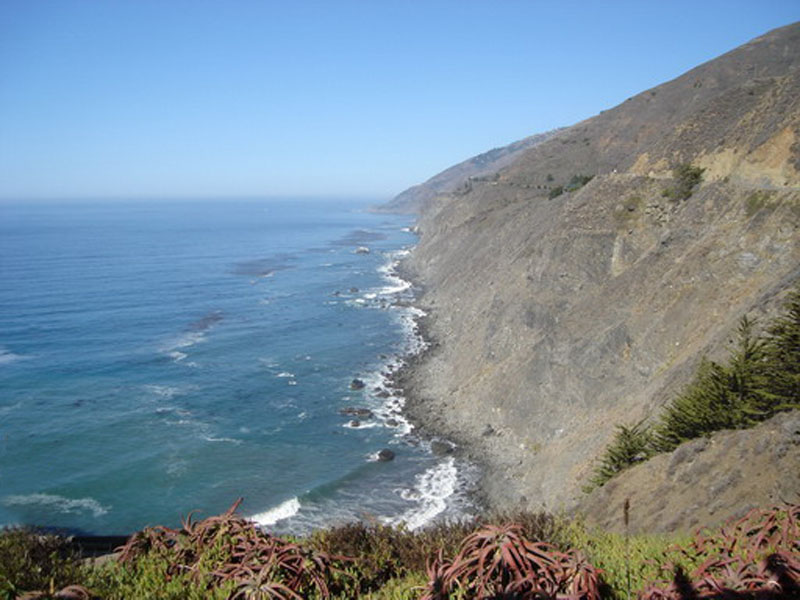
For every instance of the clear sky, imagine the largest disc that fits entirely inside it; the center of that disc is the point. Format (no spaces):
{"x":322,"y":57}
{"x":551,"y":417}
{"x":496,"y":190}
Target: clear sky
{"x":163,"y":98}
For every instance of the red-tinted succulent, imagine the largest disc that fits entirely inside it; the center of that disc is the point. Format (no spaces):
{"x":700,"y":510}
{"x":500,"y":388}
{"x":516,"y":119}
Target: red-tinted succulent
{"x":499,"y":562}
{"x":258,"y":564}
{"x":757,"y":556}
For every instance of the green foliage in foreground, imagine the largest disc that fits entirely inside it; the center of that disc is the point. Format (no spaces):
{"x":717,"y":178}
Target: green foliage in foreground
{"x":31,"y":559}
{"x":760,"y":378}
{"x":533,"y":556}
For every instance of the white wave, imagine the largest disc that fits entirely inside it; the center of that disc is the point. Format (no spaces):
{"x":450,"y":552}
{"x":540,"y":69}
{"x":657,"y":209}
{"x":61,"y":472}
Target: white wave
{"x":362,"y":425}
{"x":431,"y":491}
{"x":164,"y":391}
{"x":189,"y":339}
{"x":4,"y":410}
{"x":58,"y":503}
{"x":285,"y":374}
{"x":283,"y":511}
{"x":174,"y":348}
{"x":177,"y":467}
{"x":396,"y":285}
{"x":7,"y":357}
{"x":209,"y":438}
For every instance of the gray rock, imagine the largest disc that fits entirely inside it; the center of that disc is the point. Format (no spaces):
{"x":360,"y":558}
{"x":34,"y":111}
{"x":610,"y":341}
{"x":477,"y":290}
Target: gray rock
{"x":385,"y":455}
{"x":440,"y":448}
{"x":355,"y":411}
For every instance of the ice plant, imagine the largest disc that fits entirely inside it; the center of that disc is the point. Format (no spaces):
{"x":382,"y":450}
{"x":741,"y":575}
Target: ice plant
{"x":229,"y":549}
{"x":498,"y":562}
{"x":757,"y":556}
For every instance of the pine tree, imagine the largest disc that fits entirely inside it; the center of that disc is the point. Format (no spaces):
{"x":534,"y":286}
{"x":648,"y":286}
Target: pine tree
{"x":760,"y":378}
{"x":704,"y":406}
{"x":749,"y":383}
{"x":783,"y":355}
{"x":631,"y":444}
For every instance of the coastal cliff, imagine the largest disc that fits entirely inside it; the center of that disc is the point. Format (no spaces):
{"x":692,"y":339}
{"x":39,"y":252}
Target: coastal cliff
{"x":578,"y":286}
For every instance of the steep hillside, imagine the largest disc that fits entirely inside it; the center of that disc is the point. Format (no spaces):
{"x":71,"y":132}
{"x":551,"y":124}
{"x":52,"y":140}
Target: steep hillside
{"x":687,"y":487}
{"x":418,"y":198}
{"x":555,"y":317}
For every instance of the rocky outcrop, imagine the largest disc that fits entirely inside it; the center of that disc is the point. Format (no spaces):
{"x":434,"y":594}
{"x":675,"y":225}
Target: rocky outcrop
{"x":556,"y":317}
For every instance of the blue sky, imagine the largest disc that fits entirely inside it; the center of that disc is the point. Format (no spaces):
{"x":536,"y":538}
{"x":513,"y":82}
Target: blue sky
{"x":165,"y":98}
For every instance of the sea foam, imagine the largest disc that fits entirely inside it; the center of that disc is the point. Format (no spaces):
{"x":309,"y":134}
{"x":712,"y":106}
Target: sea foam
{"x":430,"y":492}
{"x":284,"y":510}
{"x":56,"y":503}
{"x":7,"y":356}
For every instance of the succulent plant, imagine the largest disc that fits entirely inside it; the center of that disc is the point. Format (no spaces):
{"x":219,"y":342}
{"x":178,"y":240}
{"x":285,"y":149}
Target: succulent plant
{"x":757,"y":556}
{"x":499,"y":562}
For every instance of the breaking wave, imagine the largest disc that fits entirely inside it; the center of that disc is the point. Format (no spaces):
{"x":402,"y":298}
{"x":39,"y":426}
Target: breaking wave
{"x":284,"y":510}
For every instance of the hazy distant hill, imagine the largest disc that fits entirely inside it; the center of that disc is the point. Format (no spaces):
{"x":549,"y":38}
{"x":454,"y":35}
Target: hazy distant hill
{"x":418,"y":198}
{"x":558,"y":316}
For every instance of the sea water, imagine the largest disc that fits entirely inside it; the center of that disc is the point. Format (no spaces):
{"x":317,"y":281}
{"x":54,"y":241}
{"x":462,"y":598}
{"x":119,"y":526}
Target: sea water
{"x":160,"y":357}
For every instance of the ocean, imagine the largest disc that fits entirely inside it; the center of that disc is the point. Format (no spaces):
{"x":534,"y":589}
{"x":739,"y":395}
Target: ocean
{"x":161,"y":357}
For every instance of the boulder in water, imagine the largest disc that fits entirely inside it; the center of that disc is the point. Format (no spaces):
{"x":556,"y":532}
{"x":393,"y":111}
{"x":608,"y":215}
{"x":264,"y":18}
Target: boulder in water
{"x":356,"y":411}
{"x":385,"y":455}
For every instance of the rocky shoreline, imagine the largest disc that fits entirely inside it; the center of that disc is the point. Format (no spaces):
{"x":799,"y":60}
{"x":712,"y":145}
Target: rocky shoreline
{"x":496,"y":489}
{"x":674,"y":491}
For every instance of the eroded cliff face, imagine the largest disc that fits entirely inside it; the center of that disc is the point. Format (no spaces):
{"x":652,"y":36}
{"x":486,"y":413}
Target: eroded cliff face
{"x":553,"y":320}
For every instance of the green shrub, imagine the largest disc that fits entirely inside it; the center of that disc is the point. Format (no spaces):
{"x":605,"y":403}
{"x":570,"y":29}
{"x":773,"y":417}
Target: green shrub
{"x":756,"y":201}
{"x":555,"y":192}
{"x":35,"y":560}
{"x":687,"y":177}
{"x":576,"y":182}
{"x":628,"y":563}
{"x":152,"y":576}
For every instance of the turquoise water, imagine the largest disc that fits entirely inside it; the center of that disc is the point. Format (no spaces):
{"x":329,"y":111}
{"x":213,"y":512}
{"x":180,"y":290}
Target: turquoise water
{"x":159,"y":357}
